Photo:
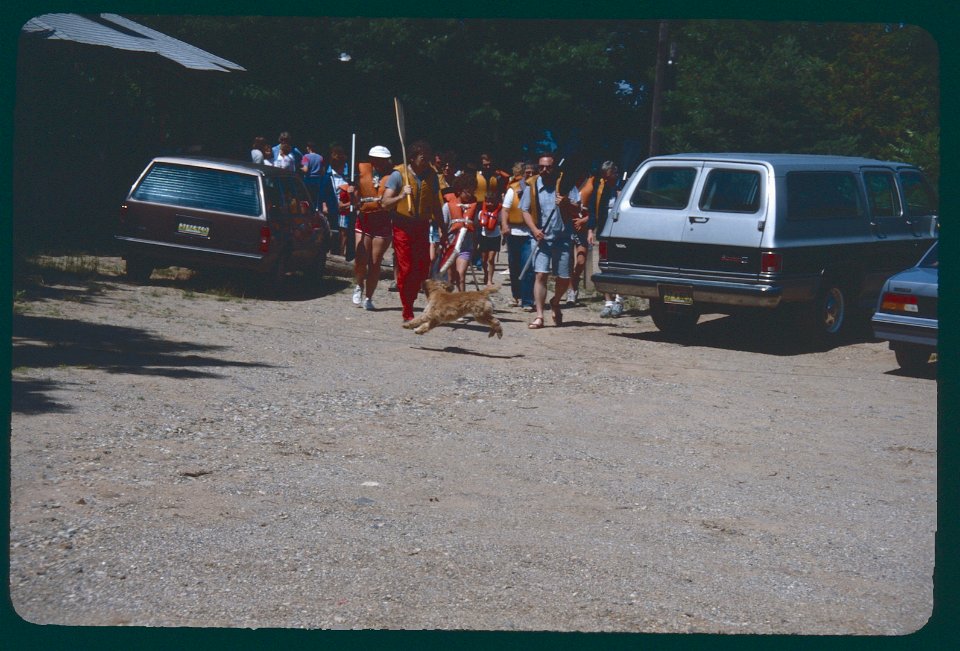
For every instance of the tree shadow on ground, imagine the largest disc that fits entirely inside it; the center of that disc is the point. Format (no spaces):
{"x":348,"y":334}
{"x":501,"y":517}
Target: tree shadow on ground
{"x":753,"y":333}
{"x":46,"y":342}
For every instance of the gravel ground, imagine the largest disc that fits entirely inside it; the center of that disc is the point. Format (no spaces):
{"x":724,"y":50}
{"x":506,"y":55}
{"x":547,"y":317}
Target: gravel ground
{"x":185,"y":457}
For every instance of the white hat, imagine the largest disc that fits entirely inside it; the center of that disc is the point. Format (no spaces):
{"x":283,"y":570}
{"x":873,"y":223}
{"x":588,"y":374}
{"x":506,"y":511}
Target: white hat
{"x":379,"y":152}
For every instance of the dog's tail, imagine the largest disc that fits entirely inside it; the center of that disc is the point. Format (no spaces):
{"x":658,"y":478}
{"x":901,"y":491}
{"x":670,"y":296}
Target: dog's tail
{"x":486,"y":291}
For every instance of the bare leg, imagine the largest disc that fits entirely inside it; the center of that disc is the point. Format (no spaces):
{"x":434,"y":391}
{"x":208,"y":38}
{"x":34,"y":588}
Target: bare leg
{"x":378,"y":248}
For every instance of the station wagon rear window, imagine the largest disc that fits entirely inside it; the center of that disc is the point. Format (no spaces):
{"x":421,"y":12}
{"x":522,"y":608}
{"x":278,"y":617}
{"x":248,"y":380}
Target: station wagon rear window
{"x":664,"y":187}
{"x":198,"y":187}
{"x":731,"y":191}
{"x":817,"y":196}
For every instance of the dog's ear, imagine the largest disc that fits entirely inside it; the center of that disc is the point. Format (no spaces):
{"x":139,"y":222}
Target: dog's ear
{"x":448,"y":286}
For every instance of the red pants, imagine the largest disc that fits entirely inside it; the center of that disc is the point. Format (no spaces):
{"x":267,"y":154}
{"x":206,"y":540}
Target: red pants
{"x":411,"y":259}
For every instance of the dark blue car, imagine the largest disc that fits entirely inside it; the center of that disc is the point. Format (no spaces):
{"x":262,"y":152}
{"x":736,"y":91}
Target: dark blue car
{"x":906,"y":314}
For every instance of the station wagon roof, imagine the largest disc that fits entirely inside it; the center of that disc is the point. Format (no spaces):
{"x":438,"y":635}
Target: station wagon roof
{"x":784,"y":160}
{"x":223,"y":164}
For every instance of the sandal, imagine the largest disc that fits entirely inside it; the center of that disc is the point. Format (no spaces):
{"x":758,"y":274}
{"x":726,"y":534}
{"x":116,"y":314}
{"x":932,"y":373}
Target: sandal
{"x":557,"y":314}
{"x":536,"y":324}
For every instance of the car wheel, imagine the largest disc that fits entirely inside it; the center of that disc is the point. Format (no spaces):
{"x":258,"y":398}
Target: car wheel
{"x":679,"y":321}
{"x":825,"y":318}
{"x":317,"y":270}
{"x":913,"y":359}
{"x":139,"y":270}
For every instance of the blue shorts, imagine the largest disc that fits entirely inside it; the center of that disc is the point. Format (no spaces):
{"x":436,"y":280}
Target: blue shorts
{"x":553,"y":257}
{"x":434,"y":234}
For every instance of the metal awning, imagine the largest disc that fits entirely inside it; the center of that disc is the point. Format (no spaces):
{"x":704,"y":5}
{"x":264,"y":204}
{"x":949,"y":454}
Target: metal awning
{"x":115,"y":31}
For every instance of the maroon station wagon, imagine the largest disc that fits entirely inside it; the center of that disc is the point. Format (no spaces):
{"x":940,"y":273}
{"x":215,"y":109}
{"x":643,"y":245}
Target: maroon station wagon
{"x":203,"y":212}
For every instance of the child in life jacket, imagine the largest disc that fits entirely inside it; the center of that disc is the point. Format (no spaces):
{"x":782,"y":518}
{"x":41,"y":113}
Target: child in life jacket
{"x":490,"y":238}
{"x":460,"y":218}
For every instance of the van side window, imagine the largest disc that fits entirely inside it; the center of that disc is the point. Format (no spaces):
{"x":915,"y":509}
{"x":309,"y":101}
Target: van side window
{"x":664,"y":187}
{"x":882,"y":194}
{"x":731,"y":191}
{"x":920,"y":198}
{"x":196,"y":187}
{"x":813,"y":196}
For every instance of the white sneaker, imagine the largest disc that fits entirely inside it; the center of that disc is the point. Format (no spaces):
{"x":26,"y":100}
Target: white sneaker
{"x":358,"y":295}
{"x":368,"y":304}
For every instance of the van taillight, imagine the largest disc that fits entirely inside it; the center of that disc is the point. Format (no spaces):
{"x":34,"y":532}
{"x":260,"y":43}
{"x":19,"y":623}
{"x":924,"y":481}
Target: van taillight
{"x":771,"y":263}
{"x":899,"y":303}
{"x":603,"y":250}
{"x":123,"y":214}
{"x":264,"y":239}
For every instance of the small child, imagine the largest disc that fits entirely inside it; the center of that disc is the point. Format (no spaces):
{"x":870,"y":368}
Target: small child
{"x":490,"y":239}
{"x":461,"y":213}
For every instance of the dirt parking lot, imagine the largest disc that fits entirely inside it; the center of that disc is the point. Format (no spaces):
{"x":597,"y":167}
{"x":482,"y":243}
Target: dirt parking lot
{"x":185,"y":454}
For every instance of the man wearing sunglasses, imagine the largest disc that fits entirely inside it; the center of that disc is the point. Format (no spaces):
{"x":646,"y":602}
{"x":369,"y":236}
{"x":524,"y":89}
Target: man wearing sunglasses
{"x":548,"y":213}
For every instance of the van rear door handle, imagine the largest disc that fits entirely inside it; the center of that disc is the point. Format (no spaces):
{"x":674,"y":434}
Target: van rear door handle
{"x":698,"y":220}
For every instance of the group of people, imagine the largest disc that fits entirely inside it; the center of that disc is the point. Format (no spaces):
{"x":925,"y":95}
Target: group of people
{"x":442,"y":220}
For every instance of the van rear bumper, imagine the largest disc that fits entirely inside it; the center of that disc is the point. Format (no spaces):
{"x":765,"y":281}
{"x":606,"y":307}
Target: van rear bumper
{"x":717,"y":292}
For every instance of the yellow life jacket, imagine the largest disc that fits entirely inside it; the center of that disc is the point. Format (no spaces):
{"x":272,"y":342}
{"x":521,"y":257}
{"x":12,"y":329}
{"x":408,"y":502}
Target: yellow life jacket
{"x":535,"y":199}
{"x":514,"y":214}
{"x":497,"y":181}
{"x":425,"y":199}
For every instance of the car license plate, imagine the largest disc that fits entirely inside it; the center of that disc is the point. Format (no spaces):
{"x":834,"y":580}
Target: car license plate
{"x":194,"y":227}
{"x":677,"y":294}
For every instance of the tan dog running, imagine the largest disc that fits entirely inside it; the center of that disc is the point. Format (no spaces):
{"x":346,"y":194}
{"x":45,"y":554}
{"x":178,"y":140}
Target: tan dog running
{"x":445,"y":305}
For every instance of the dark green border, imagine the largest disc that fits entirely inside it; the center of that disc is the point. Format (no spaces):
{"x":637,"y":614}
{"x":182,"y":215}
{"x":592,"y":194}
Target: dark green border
{"x":939,"y":17}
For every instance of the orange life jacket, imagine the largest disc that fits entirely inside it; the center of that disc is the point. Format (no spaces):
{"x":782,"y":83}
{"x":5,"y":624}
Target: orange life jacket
{"x":462,"y":215}
{"x":371,"y":191}
{"x":490,"y":216}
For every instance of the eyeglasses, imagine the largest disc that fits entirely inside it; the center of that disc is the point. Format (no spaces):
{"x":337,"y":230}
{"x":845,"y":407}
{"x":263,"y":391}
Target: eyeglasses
{"x":545,"y":167}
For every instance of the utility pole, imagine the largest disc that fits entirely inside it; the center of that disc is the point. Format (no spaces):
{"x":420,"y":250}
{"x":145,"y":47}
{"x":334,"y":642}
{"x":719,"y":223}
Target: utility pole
{"x":659,"y":80}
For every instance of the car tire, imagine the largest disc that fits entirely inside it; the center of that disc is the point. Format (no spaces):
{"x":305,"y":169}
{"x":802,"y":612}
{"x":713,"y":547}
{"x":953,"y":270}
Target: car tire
{"x":824,"y":320}
{"x":913,"y":359}
{"x":139,"y":270}
{"x":676,"y":321}
{"x":318,"y":270}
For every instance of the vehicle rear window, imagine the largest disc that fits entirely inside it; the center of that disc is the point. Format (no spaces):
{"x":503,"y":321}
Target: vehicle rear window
{"x":920,"y":197}
{"x":882,"y":194}
{"x":198,"y":187}
{"x":814,"y":196}
{"x":664,"y":187}
{"x":731,"y":191}
{"x":285,"y":194}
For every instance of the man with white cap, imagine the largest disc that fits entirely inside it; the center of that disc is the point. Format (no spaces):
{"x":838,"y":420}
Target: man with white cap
{"x":380,"y":188}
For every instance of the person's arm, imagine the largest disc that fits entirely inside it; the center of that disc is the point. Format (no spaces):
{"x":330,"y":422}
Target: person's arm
{"x":508,"y":199}
{"x":391,"y":195}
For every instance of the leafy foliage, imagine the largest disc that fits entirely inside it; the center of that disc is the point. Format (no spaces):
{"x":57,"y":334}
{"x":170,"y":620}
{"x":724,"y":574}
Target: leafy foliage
{"x":469,"y":85}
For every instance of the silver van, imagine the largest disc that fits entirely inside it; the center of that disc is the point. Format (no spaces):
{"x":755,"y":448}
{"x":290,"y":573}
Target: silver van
{"x":702,"y":233}
{"x":205,"y":212}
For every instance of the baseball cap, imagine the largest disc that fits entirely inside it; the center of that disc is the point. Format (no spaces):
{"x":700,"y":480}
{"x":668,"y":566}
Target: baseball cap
{"x":379,"y":151}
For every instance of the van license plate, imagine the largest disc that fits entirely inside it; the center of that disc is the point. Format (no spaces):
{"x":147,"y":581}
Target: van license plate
{"x":677,"y":294}
{"x":195,"y":227}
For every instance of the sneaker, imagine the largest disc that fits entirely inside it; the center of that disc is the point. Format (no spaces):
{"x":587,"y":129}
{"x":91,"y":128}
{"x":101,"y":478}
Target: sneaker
{"x":368,"y":304}
{"x":617,"y":309}
{"x":393,"y":288}
{"x":607,"y":311}
{"x":358,"y":295}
